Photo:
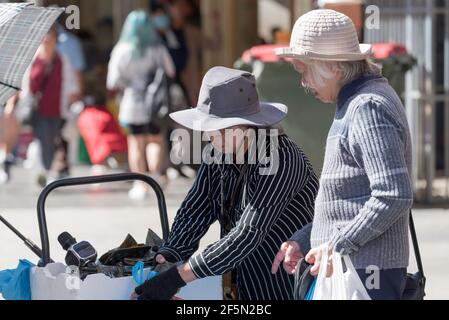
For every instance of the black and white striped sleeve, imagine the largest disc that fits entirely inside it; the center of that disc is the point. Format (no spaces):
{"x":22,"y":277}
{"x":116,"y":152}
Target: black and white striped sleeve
{"x":272,"y":194}
{"x":192,"y":220}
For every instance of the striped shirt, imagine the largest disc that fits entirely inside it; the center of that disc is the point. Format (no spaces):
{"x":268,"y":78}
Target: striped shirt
{"x":269,"y":211}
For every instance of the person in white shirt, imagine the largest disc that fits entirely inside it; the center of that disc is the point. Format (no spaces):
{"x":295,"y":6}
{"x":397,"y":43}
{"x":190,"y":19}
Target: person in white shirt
{"x":138,"y":54}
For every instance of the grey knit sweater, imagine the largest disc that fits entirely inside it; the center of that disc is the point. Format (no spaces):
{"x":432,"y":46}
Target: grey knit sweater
{"x":365,"y":195}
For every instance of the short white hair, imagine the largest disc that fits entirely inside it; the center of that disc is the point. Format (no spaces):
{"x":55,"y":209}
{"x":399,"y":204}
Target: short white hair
{"x":350,"y":70}
{"x":354,"y":69}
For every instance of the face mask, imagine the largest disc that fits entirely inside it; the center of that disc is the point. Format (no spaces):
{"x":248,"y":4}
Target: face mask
{"x":161,"y":22}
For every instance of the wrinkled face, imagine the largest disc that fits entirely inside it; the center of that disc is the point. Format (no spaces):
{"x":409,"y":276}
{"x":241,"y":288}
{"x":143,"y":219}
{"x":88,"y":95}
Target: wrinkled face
{"x":228,"y":140}
{"x":323,"y":88}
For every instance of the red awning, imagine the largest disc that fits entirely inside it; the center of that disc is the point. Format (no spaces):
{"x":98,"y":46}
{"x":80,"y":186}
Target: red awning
{"x":265,"y":53}
{"x":386,"y":50}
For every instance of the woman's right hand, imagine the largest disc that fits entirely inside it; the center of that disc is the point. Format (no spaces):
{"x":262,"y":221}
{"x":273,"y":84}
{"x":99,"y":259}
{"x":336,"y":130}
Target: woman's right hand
{"x":160,"y":259}
{"x":314,"y":257}
{"x":289,"y":254}
{"x":161,"y":264}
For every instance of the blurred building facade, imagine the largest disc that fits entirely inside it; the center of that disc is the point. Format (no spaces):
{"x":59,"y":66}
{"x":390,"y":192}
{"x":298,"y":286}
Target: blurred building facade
{"x":242,"y":22}
{"x":423,"y":26}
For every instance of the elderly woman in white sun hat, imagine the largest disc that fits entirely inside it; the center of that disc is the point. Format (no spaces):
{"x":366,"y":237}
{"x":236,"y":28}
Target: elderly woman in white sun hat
{"x":365,"y":195}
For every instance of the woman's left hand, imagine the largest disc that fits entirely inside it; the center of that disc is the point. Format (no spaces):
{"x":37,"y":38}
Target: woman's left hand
{"x":164,"y":286}
{"x":315,"y":256}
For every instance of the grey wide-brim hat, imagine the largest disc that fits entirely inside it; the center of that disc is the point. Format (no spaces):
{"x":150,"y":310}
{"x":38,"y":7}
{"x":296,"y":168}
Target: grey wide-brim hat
{"x":229,"y":98}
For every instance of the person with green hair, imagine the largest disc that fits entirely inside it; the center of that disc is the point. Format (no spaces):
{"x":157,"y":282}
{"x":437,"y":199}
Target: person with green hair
{"x":139,"y":54}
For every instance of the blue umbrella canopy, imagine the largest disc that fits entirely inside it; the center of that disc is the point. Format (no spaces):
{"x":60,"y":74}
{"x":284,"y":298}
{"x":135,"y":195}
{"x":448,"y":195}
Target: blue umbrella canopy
{"x":22,"y":29}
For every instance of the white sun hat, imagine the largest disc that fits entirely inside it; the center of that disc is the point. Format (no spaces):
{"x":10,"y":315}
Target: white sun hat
{"x":325,"y":34}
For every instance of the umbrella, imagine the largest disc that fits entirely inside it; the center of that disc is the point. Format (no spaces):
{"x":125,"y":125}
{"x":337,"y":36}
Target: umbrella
{"x":10,"y":10}
{"x":22,"y":29}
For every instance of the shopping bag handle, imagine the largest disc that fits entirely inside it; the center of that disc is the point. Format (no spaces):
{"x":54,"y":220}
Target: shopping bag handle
{"x":70,"y":182}
{"x":416,"y":246}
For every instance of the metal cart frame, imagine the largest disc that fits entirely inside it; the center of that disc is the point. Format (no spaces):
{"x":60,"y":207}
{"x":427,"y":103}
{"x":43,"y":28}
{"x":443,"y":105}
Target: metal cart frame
{"x":71,"y":182}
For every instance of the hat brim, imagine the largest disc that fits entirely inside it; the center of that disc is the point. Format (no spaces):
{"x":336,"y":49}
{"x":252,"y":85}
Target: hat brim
{"x":300,"y":53}
{"x":270,"y":114}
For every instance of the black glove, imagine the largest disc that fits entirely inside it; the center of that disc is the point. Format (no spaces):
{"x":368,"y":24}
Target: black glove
{"x":167,"y":256}
{"x":162,"y":267}
{"x":164,"y":286}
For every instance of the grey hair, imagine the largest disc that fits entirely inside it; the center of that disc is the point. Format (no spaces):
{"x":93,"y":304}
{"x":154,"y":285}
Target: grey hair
{"x":350,"y":70}
{"x":354,"y":69}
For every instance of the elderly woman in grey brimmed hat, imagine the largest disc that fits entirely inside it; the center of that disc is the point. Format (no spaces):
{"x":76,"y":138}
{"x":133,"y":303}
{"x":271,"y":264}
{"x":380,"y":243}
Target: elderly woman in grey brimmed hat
{"x":363,"y":204}
{"x":257,"y":208}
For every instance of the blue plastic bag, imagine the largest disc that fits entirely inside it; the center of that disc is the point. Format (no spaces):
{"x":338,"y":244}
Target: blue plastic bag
{"x":311,"y":291}
{"x":15,"y":284}
{"x":137,"y":273}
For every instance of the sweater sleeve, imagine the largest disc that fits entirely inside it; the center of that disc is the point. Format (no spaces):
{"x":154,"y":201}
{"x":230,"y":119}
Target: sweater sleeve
{"x":302,"y":237}
{"x":377,"y":142}
{"x":272,"y":196}
{"x":117,"y":68}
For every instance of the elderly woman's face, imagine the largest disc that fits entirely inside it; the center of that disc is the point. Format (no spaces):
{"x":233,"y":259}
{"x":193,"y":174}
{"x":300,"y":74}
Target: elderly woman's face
{"x":326,"y":90}
{"x":228,"y":140}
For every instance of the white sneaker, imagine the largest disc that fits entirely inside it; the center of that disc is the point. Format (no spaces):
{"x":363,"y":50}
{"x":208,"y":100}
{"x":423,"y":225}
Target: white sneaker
{"x":188,"y":172}
{"x":138,"y":192}
{"x":2,"y":156}
{"x":4,"y":177}
{"x":172,"y":174}
{"x":98,"y":170}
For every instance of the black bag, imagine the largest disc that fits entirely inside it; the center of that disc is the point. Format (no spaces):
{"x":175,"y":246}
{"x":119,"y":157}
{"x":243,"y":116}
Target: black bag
{"x":416,"y":283}
{"x":303,"y":280}
{"x":157,"y":95}
{"x":414,"y":288}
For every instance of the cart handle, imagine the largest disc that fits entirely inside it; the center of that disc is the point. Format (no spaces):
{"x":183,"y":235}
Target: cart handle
{"x":94,"y":180}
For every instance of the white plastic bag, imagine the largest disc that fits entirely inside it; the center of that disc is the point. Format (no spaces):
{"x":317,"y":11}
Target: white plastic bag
{"x":341,"y":285}
{"x":57,"y":282}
